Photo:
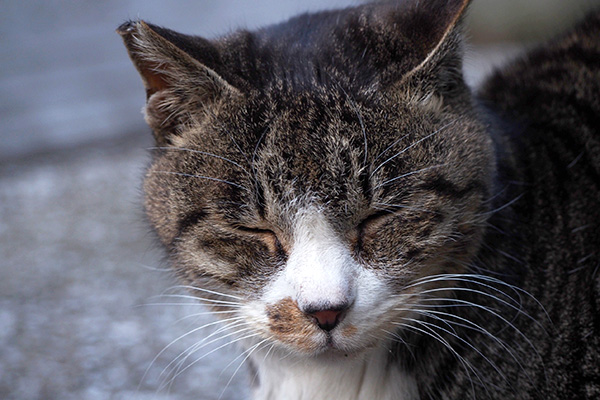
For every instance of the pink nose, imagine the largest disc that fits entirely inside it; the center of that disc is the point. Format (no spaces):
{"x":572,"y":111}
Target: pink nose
{"x":327,"y":319}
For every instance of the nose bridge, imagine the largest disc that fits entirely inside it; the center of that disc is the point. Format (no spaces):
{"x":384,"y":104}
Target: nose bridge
{"x":320,"y":268}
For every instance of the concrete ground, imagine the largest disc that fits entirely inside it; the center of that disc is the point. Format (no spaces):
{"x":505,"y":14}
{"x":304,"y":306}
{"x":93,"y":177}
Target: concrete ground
{"x":78,"y":314}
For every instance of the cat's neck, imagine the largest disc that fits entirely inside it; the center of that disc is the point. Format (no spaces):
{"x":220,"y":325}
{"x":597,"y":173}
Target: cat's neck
{"x":369,"y":377}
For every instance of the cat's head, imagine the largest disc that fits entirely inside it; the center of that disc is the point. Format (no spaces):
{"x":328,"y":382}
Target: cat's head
{"x":313,"y":176}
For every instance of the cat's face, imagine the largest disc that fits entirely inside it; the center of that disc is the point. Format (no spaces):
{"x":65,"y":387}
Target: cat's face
{"x":316,"y":209}
{"x":317,"y":214}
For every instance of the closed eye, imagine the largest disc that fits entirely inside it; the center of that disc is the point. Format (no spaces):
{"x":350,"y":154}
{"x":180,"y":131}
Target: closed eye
{"x":266,"y":235}
{"x":251,"y":230}
{"x":368,"y":226}
{"x":374,"y":218}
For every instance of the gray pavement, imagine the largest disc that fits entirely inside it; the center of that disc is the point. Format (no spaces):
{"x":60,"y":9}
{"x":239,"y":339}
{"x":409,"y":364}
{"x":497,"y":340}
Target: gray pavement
{"x":78,"y":314}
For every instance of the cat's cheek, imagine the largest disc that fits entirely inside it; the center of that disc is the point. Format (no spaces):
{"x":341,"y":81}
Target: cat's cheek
{"x":203,"y":261}
{"x":371,"y":315}
{"x":283,"y":323}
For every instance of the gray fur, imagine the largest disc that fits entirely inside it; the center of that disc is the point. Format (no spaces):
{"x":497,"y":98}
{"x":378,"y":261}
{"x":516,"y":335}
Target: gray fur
{"x":487,"y":206}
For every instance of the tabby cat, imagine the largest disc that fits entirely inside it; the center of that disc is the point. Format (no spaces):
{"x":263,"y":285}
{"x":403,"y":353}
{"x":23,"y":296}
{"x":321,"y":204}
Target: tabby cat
{"x":369,"y":227}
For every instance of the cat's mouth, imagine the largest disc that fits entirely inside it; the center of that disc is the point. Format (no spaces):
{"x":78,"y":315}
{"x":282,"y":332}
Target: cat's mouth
{"x":313,"y":332}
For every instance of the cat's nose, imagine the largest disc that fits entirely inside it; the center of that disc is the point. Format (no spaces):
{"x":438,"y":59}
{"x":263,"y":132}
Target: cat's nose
{"x":327,"y":318}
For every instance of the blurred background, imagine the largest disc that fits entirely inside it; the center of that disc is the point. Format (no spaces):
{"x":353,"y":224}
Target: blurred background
{"x":78,"y":268}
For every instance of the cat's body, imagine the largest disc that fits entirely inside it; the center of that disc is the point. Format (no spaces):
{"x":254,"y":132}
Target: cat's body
{"x":375,"y":230}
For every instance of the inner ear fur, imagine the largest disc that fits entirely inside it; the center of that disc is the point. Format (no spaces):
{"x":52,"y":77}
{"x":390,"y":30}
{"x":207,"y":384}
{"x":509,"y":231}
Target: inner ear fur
{"x":420,"y":42}
{"x":436,"y":28}
{"x":179,"y":87}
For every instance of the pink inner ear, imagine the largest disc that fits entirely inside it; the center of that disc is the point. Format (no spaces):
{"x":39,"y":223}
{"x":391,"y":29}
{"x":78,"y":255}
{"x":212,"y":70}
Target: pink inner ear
{"x":154,"y":81}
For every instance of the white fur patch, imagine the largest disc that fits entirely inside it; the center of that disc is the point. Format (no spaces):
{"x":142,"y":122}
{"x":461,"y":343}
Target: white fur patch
{"x":319,"y":271}
{"x":370,"y":377}
{"x":354,"y":363}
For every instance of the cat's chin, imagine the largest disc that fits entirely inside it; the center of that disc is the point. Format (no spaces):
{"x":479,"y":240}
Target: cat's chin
{"x":331,"y":347}
{"x":335,"y":349}
{"x":343,"y":352}
{"x":329,"y":352}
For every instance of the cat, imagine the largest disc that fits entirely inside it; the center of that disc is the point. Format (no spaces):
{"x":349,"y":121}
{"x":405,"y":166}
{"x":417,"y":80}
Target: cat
{"x":369,"y":226}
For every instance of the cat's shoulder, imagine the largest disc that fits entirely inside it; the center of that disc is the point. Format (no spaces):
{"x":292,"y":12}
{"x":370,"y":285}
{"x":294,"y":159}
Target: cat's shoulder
{"x":564,"y":72}
{"x":552,"y":92}
{"x":550,"y":99}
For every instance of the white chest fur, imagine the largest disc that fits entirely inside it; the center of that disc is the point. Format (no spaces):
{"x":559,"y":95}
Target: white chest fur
{"x":368,"y":378}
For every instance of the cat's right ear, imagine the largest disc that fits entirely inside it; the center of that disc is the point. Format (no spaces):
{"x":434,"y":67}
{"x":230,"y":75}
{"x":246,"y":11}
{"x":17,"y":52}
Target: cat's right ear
{"x":179,"y":87}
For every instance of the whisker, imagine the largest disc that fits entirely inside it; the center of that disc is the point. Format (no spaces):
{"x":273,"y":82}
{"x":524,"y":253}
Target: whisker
{"x":506,"y":205}
{"x":492,"y":312}
{"x":229,"y":134}
{"x":241,"y":355}
{"x":407,"y":174}
{"x":498,"y":193}
{"x":201,"y":177}
{"x":390,"y":146}
{"x":472,"y":326}
{"x":184,"y":355}
{"x":264,"y":359}
{"x":193,"y":304}
{"x":399,"y":338}
{"x":181,"y":358}
{"x":249,"y":351}
{"x":472,"y":278}
{"x":207,"y":354}
{"x":434,"y":335}
{"x":206,"y":291}
{"x":411,"y":146}
{"x":183,"y":296}
{"x":151,"y":268}
{"x":200,"y":152}
{"x":362,"y":127}
{"x":178,"y":339}
{"x":466,"y":342}
{"x":462,"y":289}
{"x":254,"y":153}
{"x":386,"y":205}
{"x":205,"y":313}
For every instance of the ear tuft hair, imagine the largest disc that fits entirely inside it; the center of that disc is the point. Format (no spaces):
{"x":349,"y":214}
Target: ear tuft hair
{"x":178,"y":86}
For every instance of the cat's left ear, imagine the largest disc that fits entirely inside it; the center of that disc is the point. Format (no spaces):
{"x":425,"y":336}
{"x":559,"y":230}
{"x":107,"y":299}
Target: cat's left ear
{"x":179,"y":76}
{"x":418,"y":41}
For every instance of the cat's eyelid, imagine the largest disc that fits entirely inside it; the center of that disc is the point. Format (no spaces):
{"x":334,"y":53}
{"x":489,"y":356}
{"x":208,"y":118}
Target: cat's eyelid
{"x":255,"y":230}
{"x":377,"y":215}
{"x":268,"y":236}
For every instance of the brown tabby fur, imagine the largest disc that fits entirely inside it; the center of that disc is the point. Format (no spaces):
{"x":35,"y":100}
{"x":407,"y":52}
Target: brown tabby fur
{"x":364,"y":114}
